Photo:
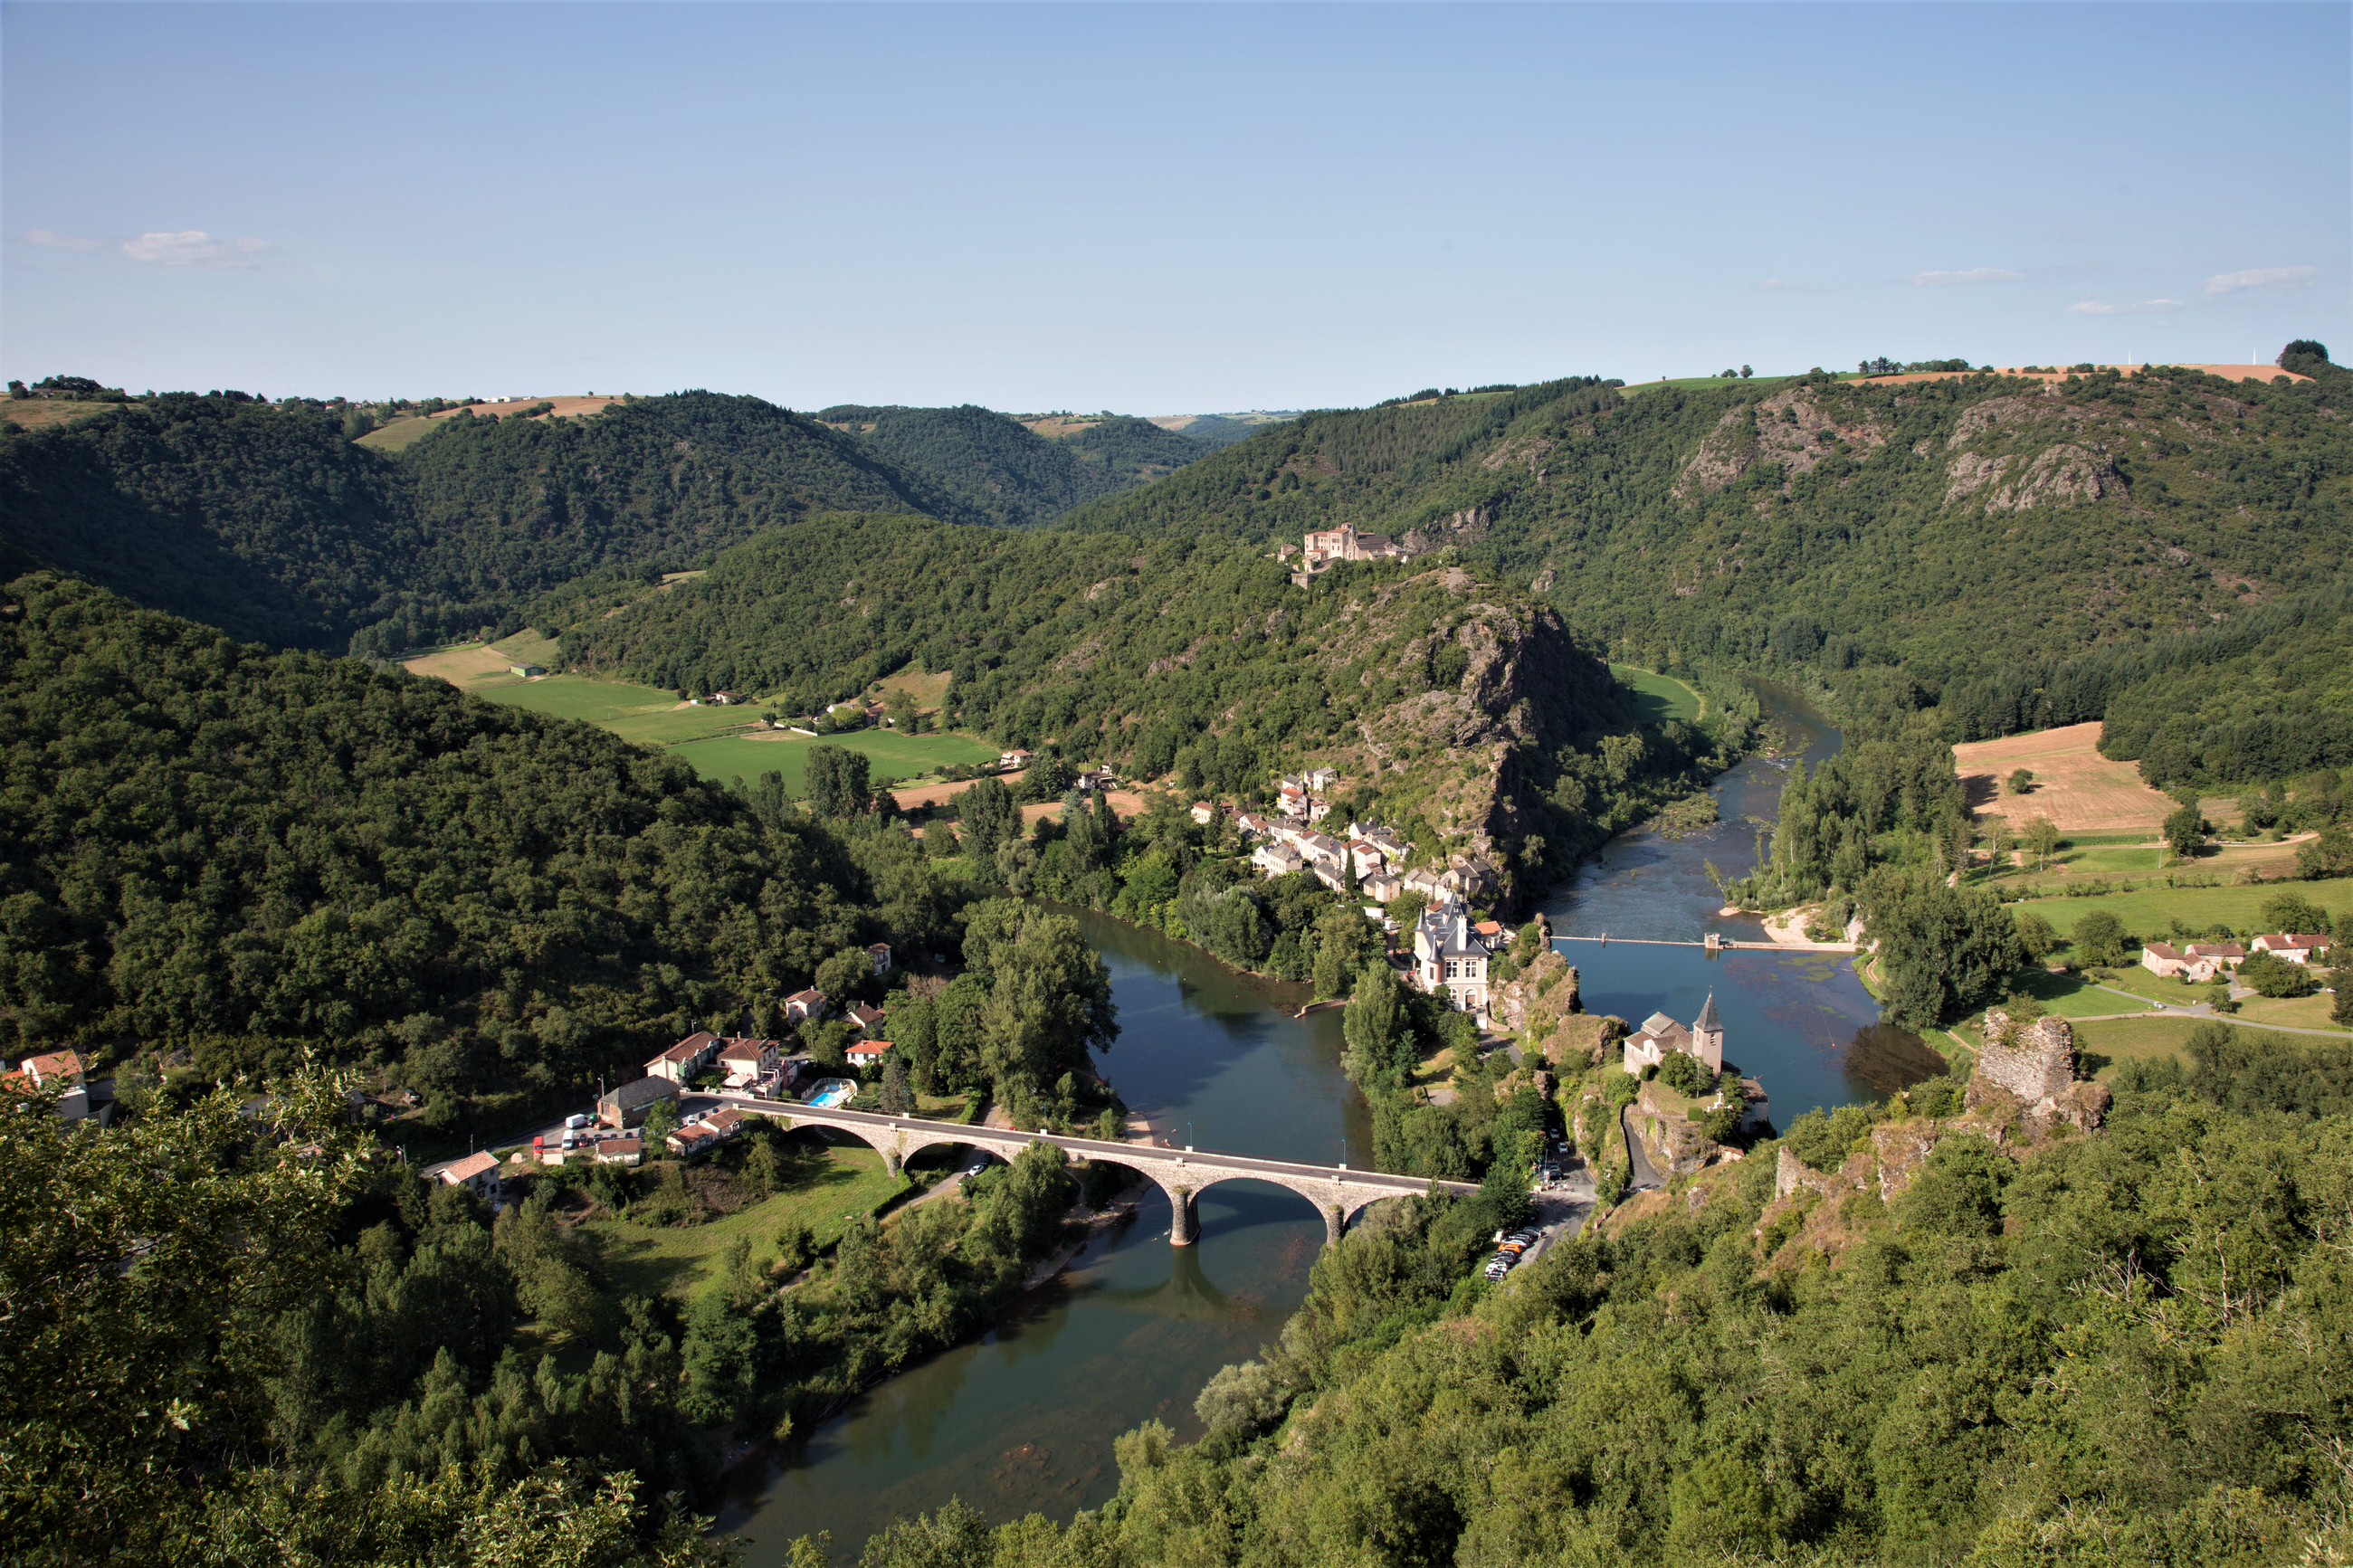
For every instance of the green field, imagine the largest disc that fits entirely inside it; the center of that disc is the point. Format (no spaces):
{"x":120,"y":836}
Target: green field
{"x":2291,"y":1011}
{"x":2149,"y":912}
{"x":839,"y":1186}
{"x":640,"y":713}
{"x":2072,"y":997}
{"x":1659,"y":698}
{"x":398,"y":434}
{"x":892,"y":756}
{"x":2122,"y":1040}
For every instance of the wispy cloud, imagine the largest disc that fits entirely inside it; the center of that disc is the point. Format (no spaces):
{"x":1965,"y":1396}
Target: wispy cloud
{"x":62,"y":241}
{"x":193,"y":248}
{"x":1775,"y":286}
{"x":1968,"y":275}
{"x":2100,"y":308}
{"x":2259,"y":278}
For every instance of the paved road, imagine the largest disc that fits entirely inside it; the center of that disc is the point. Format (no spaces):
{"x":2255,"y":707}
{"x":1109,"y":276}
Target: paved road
{"x":2201,"y":1011}
{"x":1645,"y":1176}
{"x":1143,"y":1156}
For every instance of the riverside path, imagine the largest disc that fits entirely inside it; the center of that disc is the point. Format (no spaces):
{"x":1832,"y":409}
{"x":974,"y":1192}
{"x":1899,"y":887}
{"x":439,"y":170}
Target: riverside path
{"x":1338,"y":1193}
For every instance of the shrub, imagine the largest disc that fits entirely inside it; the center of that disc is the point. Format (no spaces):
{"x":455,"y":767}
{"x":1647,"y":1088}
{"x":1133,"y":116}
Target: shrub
{"x":2272,"y":976}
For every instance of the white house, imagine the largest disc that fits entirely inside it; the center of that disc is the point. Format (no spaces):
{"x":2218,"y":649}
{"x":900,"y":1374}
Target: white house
{"x":802,"y":1006}
{"x":1276,"y":859}
{"x":880,"y":952}
{"x":478,"y":1173}
{"x":684,"y":1060}
{"x":1449,"y":958}
{"x":2294,"y":947}
{"x":748,"y":1062}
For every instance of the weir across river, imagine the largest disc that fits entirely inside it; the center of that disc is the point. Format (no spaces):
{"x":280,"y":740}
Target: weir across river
{"x":1338,"y":1193}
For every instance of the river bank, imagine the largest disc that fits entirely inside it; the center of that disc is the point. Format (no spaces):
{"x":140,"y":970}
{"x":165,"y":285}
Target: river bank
{"x":1131,"y":1328}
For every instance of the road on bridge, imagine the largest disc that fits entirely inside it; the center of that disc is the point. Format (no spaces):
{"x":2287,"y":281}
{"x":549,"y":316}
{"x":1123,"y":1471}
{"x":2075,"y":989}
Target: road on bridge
{"x":1335,"y":1190}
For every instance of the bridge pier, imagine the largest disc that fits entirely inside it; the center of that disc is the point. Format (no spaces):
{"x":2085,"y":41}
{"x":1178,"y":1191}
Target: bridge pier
{"x":1184,"y":1225}
{"x":1335,"y":1223}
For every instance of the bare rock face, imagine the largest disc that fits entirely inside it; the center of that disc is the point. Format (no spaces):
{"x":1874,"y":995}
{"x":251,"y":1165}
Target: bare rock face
{"x":2064,"y":475}
{"x":2034,"y":1065}
{"x":1542,"y":994}
{"x":1792,"y":1176}
{"x":1795,"y":428}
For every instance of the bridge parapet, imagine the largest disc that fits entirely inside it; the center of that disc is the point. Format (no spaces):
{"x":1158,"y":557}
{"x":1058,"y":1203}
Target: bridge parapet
{"x":1338,"y":1194}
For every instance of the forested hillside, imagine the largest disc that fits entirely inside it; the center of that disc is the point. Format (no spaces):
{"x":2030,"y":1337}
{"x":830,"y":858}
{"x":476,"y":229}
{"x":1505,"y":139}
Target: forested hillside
{"x":229,"y":856}
{"x":2105,"y":1350}
{"x":263,"y":521}
{"x":1133,"y":450}
{"x":1447,"y":699}
{"x":267,"y":521}
{"x":1890,"y":537}
{"x":996,"y":469}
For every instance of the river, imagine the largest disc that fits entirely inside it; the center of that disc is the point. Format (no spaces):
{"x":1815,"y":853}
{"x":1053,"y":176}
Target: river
{"x":1023,"y":1419}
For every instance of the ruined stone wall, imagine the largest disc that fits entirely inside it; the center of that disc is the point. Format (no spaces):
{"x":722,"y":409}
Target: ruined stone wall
{"x":2035,"y":1061}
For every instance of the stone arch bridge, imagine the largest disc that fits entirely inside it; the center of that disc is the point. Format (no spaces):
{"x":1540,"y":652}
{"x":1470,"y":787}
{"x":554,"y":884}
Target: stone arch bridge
{"x":1338,"y":1193}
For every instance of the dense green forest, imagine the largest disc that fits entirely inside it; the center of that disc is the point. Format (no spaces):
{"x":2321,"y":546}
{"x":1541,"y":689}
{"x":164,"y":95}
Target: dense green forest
{"x":265,"y":521}
{"x":1895,"y":541}
{"x":2265,"y":695}
{"x":1463,"y":712}
{"x":2120,"y":1348}
{"x":264,"y":1343}
{"x":1133,"y":450}
{"x":228,"y":858}
{"x":994,"y":466}
{"x":999,"y":469}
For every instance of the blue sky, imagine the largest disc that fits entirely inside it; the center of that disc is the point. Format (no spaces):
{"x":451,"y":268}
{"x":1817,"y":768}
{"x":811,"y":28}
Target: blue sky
{"x":1154,"y":209}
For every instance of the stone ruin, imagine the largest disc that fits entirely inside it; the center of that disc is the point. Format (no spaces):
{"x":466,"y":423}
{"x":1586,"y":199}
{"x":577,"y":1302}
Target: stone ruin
{"x":2035,"y":1064}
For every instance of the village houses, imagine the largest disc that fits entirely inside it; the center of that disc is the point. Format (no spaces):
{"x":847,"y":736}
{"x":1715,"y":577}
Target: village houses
{"x":749,"y":1064}
{"x":682,"y":1061}
{"x":806,"y":1006}
{"x":62,"y":1072}
{"x":2198,"y":963}
{"x":626,"y":1105}
{"x":2293,"y":948}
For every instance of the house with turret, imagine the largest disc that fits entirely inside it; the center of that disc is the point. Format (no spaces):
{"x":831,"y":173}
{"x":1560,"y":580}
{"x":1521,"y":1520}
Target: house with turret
{"x":1451,"y":956}
{"x":1661,"y":1036}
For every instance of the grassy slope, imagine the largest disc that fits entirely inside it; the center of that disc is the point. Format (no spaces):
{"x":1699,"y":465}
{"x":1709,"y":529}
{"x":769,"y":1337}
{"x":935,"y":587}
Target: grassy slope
{"x":719,"y":742}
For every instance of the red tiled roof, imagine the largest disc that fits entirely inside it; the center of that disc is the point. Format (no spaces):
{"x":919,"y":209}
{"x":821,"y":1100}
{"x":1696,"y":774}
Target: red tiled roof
{"x":56,"y":1064}
{"x":868,"y":1049}
{"x":467,"y":1169}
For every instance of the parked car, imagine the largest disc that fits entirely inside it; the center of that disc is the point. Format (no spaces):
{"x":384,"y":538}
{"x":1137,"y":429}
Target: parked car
{"x":978,"y":1167}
